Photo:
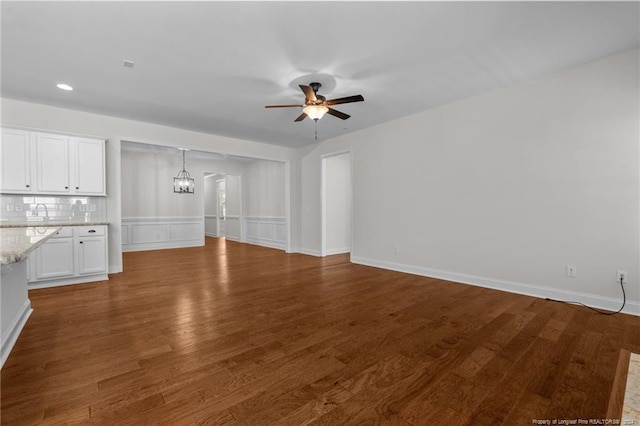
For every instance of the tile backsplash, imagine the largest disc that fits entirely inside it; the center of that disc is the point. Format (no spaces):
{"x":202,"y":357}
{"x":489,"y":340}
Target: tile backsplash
{"x":21,"y":208}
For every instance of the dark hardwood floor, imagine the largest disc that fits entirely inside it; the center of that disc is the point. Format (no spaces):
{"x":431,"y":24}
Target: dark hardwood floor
{"x":232,"y":333}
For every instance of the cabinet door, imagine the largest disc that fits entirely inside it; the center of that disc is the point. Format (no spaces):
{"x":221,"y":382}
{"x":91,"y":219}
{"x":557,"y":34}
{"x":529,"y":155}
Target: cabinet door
{"x":52,"y":163}
{"x":88,"y":166}
{"x":53,"y":259}
{"x":92,"y":255}
{"x":15,"y":161}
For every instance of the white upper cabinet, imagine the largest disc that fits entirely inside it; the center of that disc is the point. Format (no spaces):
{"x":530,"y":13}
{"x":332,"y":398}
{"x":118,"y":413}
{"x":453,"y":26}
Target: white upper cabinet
{"x":52,"y":164}
{"x":88,"y":173}
{"x":15,"y":161}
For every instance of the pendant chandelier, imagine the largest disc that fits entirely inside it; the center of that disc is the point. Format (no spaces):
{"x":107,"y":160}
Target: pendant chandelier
{"x":183,"y":183}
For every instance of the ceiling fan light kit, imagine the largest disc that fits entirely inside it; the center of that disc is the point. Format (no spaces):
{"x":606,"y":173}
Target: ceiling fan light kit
{"x":315,"y":112}
{"x":316,"y":106}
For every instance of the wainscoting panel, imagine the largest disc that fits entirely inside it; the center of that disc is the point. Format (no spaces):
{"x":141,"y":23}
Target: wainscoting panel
{"x":142,"y":233}
{"x":232,"y":228}
{"x":185,"y":231}
{"x":147,"y":233}
{"x":266,"y":231}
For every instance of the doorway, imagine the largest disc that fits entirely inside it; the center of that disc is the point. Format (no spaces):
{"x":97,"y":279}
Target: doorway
{"x":211,"y":204}
{"x":336,"y":203}
{"x":223,"y":205}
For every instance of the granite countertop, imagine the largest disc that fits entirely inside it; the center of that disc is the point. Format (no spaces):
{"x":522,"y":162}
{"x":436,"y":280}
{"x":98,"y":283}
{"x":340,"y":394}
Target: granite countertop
{"x":16,"y":243}
{"x":47,"y":224}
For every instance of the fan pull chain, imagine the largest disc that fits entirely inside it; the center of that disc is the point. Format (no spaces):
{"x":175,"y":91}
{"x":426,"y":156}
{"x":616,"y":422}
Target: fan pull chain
{"x":316,"y":120}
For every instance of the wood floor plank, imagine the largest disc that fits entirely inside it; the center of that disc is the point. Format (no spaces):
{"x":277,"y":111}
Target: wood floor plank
{"x":237,"y":334}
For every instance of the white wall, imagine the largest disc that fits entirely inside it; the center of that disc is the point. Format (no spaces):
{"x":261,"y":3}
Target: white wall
{"x":38,"y":116}
{"x":147,"y":185}
{"x":265,"y":204}
{"x":147,"y":189}
{"x":337,"y":171}
{"x":264,"y":188}
{"x":504,"y":189}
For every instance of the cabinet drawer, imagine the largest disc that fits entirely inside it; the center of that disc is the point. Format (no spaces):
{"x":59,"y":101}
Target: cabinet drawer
{"x":90,"y":231}
{"x":64,"y":232}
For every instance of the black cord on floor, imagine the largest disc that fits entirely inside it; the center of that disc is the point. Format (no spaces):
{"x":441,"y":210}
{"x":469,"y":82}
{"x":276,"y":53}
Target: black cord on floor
{"x":624,"y":301}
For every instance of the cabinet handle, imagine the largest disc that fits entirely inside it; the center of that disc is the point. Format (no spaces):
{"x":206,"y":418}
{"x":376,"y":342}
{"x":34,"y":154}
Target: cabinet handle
{"x":92,"y":231}
{"x":66,"y":187}
{"x":77,"y":187}
{"x":28,"y":186}
{"x":80,"y":242}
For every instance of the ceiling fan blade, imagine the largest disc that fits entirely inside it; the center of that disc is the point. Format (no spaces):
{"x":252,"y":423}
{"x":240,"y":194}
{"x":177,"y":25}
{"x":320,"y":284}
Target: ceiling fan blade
{"x":301,"y":117}
{"x":308,"y":92}
{"x":338,"y":114}
{"x":346,"y":100}
{"x":283,"y":106}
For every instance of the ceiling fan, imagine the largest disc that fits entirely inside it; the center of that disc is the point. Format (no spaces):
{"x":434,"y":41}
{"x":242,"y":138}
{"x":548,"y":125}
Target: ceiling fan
{"x":315,"y":106}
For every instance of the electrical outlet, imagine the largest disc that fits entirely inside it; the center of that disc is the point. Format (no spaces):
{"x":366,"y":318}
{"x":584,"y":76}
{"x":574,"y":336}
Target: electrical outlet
{"x":396,"y":250}
{"x":19,"y":207}
{"x":572,"y":271}
{"x":91,"y":207}
{"x":10,"y":207}
{"x":621,"y":275}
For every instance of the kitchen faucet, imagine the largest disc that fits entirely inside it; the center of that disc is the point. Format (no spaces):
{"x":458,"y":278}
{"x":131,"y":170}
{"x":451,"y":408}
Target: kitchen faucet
{"x":46,"y":211}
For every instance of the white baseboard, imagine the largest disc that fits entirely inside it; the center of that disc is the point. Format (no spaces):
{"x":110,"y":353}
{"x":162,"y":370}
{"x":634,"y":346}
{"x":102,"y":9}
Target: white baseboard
{"x":338,"y":251}
{"x":310,"y":252}
{"x":163,"y":245}
{"x":266,"y":243}
{"x":33,"y":285}
{"x":318,"y":253}
{"x":600,"y":302}
{"x":15,"y":329}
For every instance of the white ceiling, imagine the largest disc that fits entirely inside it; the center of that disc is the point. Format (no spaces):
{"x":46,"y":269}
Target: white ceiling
{"x":212,"y":66}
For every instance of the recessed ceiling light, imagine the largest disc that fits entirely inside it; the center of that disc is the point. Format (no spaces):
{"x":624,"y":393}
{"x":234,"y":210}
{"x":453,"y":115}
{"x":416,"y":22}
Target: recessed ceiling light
{"x":64,"y":86}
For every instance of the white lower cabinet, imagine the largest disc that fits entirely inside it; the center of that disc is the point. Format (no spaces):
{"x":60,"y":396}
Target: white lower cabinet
{"x":76,"y":254}
{"x":54,"y":259}
{"x":92,"y":251}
